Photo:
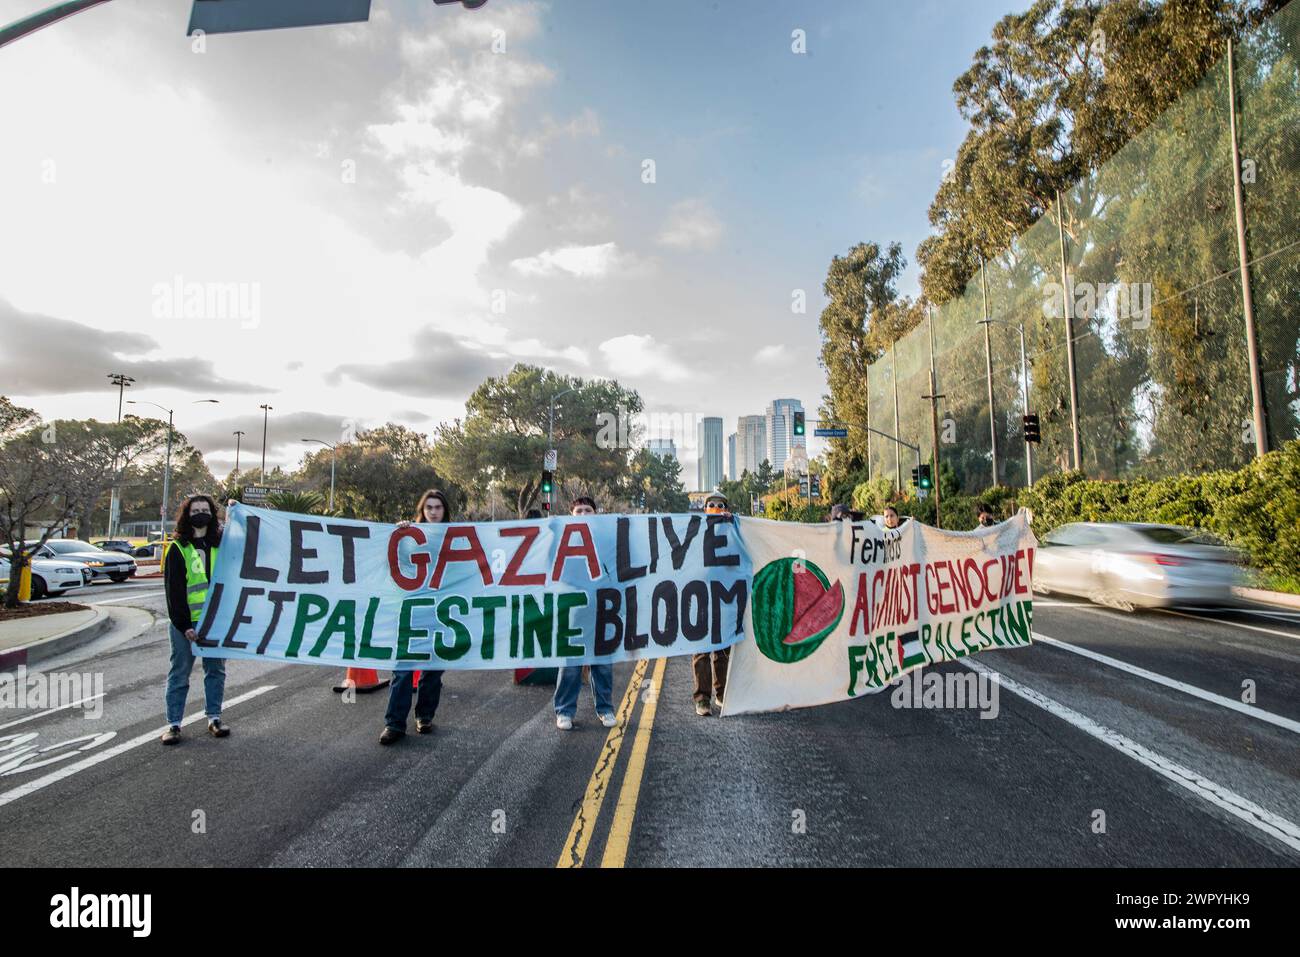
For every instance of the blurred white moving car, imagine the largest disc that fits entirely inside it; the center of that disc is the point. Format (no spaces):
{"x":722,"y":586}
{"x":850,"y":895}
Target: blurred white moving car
{"x":1131,"y":565}
{"x":50,"y":577}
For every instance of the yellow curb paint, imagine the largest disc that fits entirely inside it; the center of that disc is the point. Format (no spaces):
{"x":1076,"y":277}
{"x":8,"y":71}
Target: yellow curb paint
{"x":584,"y":823}
{"x":620,"y":830}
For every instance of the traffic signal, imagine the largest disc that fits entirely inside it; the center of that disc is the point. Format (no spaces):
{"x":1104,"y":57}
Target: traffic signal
{"x":799,"y":428}
{"x":925,"y":479}
{"x":1032,"y":434}
{"x":817,"y":486}
{"x":548,"y":481}
{"x":916,"y":477}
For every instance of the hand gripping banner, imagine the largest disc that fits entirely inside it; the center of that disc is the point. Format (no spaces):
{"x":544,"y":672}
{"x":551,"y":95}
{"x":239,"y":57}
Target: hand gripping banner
{"x":517,"y":594}
{"x":842,"y":610}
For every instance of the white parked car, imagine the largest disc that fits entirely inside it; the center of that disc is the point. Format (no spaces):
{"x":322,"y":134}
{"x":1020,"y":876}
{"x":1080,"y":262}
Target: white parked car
{"x":50,"y":577}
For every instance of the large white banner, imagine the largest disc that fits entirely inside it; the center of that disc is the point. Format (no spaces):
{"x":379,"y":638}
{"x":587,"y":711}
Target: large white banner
{"x":841,"y":610}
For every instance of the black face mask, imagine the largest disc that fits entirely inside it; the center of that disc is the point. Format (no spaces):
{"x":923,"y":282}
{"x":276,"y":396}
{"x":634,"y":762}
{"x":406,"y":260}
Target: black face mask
{"x":200,"y":520}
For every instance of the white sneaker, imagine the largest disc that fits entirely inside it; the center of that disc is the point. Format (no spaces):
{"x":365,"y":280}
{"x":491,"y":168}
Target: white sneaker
{"x":564,"y":722}
{"x":608,"y":720}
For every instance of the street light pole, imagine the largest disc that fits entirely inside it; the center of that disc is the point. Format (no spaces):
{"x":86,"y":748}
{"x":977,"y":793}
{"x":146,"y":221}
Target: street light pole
{"x":167,"y":467}
{"x":123,"y":382}
{"x":30,"y":24}
{"x":167,"y":475}
{"x":333,"y":453}
{"x":266,"y":412}
{"x":550,"y":428}
{"x":238,"y":437}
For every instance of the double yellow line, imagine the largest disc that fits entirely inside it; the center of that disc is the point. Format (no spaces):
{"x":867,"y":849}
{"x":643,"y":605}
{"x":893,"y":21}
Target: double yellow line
{"x":620,"y":829}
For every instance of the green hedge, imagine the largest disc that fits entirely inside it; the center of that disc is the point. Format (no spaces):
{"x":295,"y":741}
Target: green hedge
{"x":1255,"y":508}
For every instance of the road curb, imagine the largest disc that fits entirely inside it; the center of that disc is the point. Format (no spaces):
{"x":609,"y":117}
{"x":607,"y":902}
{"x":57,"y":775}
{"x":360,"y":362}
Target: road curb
{"x":38,"y":651}
{"x":1279,"y":598}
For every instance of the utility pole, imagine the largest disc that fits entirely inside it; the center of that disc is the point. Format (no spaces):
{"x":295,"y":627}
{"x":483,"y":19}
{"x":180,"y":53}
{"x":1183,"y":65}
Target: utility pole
{"x":1247,"y":300}
{"x":988,"y":370}
{"x":266,"y":412}
{"x":934,"y":398}
{"x":1066,"y":297}
{"x":238,"y":437}
{"x":898,"y":459}
{"x":1024,"y":394}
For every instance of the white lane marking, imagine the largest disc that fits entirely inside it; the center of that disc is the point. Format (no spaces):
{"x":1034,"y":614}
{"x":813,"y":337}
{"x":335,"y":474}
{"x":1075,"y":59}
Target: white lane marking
{"x":99,"y":757}
{"x":1267,"y":613}
{"x":1231,"y":624}
{"x":1271,"y":824}
{"x":70,"y":704}
{"x":1174,"y":683}
{"x":109,"y":601}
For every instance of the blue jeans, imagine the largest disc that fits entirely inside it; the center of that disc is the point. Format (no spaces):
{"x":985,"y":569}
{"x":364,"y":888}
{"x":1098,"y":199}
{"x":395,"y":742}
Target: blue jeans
{"x":399,"y":697}
{"x":178,"y":679}
{"x":570,"y":682}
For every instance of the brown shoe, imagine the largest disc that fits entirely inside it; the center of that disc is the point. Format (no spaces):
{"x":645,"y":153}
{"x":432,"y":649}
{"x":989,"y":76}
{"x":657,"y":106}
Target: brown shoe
{"x":423,"y":727}
{"x":172,"y":735}
{"x":391,"y":735}
{"x":217,"y":729}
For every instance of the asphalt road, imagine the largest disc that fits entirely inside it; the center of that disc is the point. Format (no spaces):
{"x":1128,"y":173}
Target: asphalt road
{"x":1122,"y":741}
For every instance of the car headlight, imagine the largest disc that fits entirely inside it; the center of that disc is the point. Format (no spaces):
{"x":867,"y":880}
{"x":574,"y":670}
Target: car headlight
{"x":95,"y":564}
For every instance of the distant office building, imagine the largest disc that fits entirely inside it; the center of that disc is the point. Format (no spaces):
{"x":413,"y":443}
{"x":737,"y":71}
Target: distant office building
{"x":664,"y":448}
{"x":751,"y":443}
{"x":709,"y":466}
{"x":780,"y":431}
{"x":731,"y":457}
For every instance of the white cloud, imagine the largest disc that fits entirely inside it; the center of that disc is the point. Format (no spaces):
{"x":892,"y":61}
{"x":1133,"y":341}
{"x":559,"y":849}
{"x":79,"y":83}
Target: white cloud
{"x":640,"y":356}
{"x":691,"y":224}
{"x":584,"y":262}
{"x":770,"y":355}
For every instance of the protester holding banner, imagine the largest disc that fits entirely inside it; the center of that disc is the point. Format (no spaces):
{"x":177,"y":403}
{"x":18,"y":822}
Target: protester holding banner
{"x":569,"y":682}
{"x":710,"y":667}
{"x":433,"y":509}
{"x":188,"y":568}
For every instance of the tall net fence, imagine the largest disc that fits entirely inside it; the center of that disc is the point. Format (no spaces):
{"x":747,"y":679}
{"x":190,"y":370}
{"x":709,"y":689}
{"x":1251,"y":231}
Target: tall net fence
{"x":1154,"y":285}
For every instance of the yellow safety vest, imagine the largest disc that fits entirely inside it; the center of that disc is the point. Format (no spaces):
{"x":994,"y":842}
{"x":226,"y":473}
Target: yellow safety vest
{"x":196,"y":577}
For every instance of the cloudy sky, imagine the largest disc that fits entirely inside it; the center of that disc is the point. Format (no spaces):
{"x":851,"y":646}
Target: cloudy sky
{"x":400,"y":208}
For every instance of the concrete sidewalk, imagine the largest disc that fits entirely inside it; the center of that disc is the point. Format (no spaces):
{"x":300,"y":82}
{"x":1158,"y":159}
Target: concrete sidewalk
{"x":1276,"y":598}
{"x":26,"y":641}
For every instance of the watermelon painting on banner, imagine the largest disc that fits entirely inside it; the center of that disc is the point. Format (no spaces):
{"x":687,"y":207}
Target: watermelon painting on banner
{"x":843,"y":609}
